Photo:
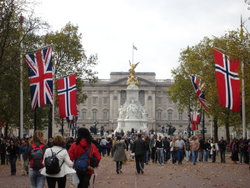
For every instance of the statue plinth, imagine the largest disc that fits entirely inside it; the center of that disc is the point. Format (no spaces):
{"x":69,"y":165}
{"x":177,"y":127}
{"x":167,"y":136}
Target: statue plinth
{"x":132,"y":114}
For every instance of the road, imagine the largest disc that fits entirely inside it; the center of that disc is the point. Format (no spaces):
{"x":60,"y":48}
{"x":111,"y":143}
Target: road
{"x":202,"y":175}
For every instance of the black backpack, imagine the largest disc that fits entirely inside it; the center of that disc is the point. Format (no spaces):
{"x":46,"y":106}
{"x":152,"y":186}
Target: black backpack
{"x":52,"y":163}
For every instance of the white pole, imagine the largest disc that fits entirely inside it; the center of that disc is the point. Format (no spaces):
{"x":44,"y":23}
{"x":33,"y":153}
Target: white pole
{"x":21,"y":77}
{"x":243,"y":102}
{"x":211,"y":129}
{"x":243,"y":89}
{"x":53,"y":105}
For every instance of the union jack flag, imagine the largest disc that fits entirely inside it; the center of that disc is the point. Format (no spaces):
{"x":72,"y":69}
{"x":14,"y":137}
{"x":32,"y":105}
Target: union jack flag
{"x":199,"y":90}
{"x":66,"y":93}
{"x":228,"y":81}
{"x":40,"y":77}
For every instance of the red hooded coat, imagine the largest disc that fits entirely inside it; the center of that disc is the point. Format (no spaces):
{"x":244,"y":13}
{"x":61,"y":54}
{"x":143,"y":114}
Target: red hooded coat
{"x":76,"y":151}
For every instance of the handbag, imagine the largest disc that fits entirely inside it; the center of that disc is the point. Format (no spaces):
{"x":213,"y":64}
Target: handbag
{"x":74,"y":179}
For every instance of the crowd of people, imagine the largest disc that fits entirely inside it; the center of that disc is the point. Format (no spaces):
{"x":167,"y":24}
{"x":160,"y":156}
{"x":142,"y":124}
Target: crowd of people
{"x":34,"y":152}
{"x":51,"y":160}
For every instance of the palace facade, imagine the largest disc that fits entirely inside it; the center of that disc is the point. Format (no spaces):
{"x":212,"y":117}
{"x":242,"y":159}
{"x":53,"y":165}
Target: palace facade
{"x":105,"y":97}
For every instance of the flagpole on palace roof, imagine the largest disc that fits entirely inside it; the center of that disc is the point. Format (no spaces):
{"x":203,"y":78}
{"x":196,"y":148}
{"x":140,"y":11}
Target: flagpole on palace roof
{"x":21,"y":19}
{"x":243,"y":87}
{"x":132,"y":54}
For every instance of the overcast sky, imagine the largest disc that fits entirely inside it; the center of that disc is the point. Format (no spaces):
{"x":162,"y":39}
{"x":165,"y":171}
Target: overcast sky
{"x":159,"y":29}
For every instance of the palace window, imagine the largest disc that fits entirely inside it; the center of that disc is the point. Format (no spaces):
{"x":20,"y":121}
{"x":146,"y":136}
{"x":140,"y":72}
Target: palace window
{"x":105,"y":115}
{"x":159,"y":115}
{"x":170,"y":115}
{"x":180,"y":115}
{"x":94,"y":100}
{"x":94,"y":115}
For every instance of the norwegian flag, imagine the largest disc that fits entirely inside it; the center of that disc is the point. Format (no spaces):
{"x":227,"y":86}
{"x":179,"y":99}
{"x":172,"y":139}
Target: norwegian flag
{"x":195,"y":120}
{"x":66,"y":93}
{"x":228,"y":82}
{"x":198,"y":87}
{"x":40,"y":77}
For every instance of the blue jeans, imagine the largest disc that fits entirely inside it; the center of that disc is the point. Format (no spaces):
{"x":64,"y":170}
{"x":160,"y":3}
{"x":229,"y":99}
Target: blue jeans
{"x":222,"y":156}
{"x":205,"y":155}
{"x":36,"y":178}
{"x":180,"y":155}
{"x":160,"y":156}
{"x":146,"y":156}
{"x":188,"y":152}
{"x":194,"y":156}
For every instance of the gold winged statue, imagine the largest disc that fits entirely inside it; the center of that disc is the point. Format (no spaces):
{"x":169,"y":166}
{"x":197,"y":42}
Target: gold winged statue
{"x":132,"y":77}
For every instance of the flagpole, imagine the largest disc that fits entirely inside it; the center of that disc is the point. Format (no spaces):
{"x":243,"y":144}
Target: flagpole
{"x":21,"y":19}
{"x":53,"y":105}
{"x":133,"y":53}
{"x":243,"y":87}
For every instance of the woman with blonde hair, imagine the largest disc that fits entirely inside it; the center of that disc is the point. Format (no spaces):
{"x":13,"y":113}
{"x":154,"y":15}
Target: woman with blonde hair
{"x":64,"y":161}
{"x":36,"y":152}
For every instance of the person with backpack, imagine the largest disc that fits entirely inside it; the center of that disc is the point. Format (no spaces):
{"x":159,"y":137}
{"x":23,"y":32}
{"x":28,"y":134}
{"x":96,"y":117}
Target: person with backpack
{"x":57,"y":163}
{"x":36,"y":152}
{"x":85,"y":156}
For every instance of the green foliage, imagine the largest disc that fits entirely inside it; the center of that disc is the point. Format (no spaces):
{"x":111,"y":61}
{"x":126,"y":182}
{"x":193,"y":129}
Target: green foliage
{"x":199,"y":60}
{"x":68,"y":58}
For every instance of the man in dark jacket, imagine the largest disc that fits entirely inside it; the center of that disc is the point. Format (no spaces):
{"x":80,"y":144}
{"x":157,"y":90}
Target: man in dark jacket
{"x":139,"y":150}
{"x":222,"y":147}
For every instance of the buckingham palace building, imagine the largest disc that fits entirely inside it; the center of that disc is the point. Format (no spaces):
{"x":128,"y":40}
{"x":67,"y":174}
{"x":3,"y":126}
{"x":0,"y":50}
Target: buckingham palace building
{"x":105,"y":97}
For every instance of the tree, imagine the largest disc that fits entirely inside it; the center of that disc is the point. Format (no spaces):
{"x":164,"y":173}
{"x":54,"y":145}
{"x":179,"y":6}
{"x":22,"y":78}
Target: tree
{"x":11,"y":34}
{"x":198,"y":60}
{"x":69,"y":57}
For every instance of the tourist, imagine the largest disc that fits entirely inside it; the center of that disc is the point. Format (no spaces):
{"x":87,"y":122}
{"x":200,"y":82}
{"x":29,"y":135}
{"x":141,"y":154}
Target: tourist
{"x":235,"y":150}
{"x":187,"y":150}
{"x":194,"y":146}
{"x":166,"y":147}
{"x":222,"y":148}
{"x":159,"y":151}
{"x":84,"y":144}
{"x":36,"y":152}
{"x":24,"y":156}
{"x":153,"y":148}
{"x":206,"y":150}
{"x":173,"y":149}
{"x":103,"y":145}
{"x":64,"y":162}
{"x":13,"y":151}
{"x":180,"y":144}
{"x":119,"y":154}
{"x":139,"y":150}
{"x":213,"y":151}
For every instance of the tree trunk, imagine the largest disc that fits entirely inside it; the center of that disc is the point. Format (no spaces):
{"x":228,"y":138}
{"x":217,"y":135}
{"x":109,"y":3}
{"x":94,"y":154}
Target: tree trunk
{"x":215,"y":129}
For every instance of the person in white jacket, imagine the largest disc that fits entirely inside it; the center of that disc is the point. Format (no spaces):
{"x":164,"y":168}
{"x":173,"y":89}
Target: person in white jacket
{"x":64,"y":161}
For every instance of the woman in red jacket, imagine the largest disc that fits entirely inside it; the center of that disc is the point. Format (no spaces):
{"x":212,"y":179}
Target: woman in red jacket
{"x":82,"y":144}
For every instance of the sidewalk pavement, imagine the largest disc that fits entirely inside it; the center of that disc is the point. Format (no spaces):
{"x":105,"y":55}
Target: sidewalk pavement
{"x":201,"y":175}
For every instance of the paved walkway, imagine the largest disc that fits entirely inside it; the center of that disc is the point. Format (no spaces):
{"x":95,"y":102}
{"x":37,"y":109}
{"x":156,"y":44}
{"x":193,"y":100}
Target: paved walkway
{"x":202,"y":175}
